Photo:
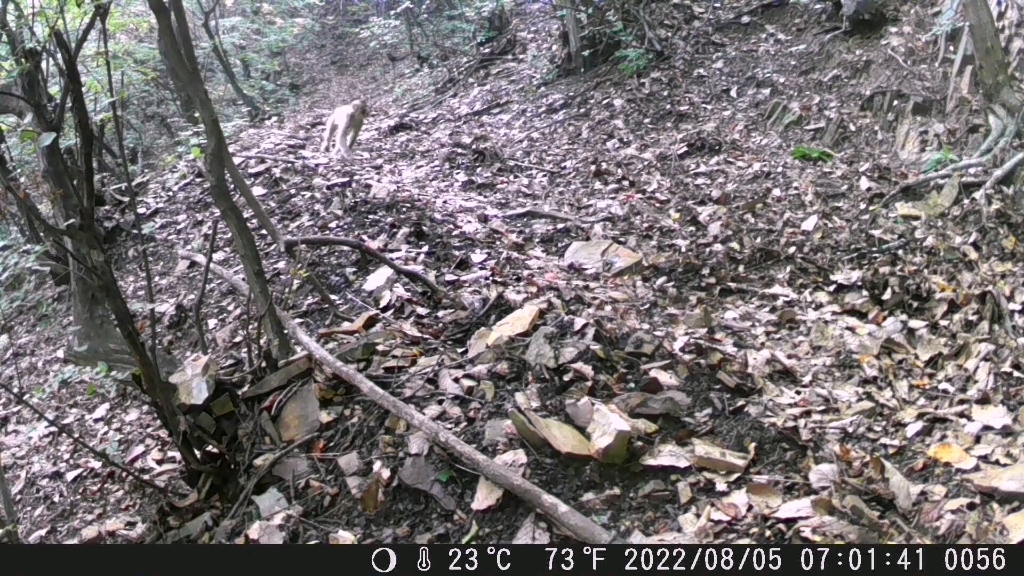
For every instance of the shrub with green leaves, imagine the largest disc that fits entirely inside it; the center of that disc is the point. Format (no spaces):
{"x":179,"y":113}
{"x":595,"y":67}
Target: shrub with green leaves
{"x":21,"y":288}
{"x":632,"y":61}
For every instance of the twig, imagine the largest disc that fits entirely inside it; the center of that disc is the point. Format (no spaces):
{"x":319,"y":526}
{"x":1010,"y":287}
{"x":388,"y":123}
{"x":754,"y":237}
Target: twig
{"x":267,"y":467}
{"x":649,"y":36}
{"x":990,"y":184}
{"x":459,"y":332}
{"x":485,"y":109}
{"x":362,"y":247}
{"x":547,"y":125}
{"x":1003,"y":171}
{"x":887,"y":248}
{"x":67,"y":432}
{"x":534,"y":166}
{"x":102,"y":456}
{"x":898,"y":59}
{"x":284,"y":159}
{"x":534,"y":212}
{"x":268,"y":225}
{"x":998,"y":128}
{"x":1002,"y":133}
{"x":946,"y":173}
{"x":198,"y":308}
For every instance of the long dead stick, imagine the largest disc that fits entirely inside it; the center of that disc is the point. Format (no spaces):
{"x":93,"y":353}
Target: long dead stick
{"x":576,"y":524}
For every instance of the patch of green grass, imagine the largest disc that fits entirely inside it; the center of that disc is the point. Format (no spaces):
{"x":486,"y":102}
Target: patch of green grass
{"x":807,"y":154}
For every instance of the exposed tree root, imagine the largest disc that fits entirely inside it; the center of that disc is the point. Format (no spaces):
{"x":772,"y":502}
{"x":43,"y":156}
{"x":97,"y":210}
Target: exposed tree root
{"x":1002,"y":134}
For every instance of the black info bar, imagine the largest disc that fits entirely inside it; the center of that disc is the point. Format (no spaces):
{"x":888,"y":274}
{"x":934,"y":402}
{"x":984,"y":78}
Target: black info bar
{"x":288,"y":560}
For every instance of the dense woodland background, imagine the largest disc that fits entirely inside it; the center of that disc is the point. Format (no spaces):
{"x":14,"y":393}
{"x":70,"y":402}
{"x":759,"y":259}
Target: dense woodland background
{"x":651,"y":271}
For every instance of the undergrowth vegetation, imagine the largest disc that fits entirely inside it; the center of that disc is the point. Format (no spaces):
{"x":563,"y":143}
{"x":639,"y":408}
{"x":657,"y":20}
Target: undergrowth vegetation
{"x":21,"y":287}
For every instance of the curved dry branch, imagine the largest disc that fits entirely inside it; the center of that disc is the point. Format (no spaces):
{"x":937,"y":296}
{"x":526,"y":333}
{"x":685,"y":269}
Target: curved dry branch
{"x":1003,"y":171}
{"x":163,"y":491}
{"x":926,"y":178}
{"x":362,"y":247}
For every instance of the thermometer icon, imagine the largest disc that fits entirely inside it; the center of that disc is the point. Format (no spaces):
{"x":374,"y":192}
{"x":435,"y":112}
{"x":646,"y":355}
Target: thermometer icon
{"x":423,"y":564}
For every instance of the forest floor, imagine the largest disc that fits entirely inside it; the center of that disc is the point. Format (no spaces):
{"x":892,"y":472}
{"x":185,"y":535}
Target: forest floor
{"x":791,"y":363}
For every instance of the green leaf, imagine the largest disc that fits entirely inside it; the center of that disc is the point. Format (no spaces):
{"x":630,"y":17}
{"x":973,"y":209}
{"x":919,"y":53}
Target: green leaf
{"x":940,"y":160}
{"x":933,"y":164}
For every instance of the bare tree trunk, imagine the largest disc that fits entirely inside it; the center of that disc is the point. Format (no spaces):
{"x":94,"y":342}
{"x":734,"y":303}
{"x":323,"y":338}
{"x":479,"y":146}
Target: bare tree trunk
{"x":407,"y":18}
{"x":177,"y":46}
{"x":993,"y":68}
{"x":222,"y":58}
{"x":88,"y":304}
{"x":993,"y":71}
{"x":572,"y":31}
{"x":188,"y":109}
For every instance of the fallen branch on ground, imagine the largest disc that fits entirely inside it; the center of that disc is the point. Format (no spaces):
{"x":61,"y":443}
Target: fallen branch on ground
{"x":134,"y":474}
{"x":267,"y":467}
{"x":362,"y":247}
{"x":284,"y":159}
{"x":573,"y":522}
{"x":536,"y":212}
